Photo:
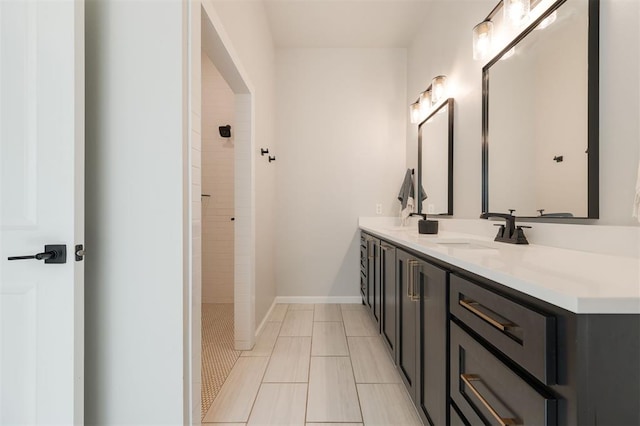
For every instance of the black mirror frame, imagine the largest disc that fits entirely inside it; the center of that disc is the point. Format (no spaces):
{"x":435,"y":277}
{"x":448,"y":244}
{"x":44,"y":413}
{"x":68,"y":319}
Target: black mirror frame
{"x":449,"y":103}
{"x":593,"y":111}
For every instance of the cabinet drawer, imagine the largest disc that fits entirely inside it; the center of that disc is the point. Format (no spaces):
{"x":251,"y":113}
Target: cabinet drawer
{"x":525,"y":335}
{"x":484,"y":387}
{"x":458,"y":419}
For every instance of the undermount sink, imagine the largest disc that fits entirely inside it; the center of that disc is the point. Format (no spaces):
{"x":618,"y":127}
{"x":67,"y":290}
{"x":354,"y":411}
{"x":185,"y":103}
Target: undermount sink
{"x":400,"y":228}
{"x":465,"y":244}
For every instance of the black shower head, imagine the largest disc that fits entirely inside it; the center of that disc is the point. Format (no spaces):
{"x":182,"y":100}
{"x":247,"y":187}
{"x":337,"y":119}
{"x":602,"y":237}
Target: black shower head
{"x":225,"y":131}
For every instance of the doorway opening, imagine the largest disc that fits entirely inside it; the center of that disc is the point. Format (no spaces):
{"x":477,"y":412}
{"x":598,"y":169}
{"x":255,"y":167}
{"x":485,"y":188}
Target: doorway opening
{"x":217,"y":198}
{"x":223,"y":218}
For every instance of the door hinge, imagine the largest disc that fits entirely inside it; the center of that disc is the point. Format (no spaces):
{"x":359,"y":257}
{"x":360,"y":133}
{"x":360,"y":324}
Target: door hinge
{"x":80,"y":252}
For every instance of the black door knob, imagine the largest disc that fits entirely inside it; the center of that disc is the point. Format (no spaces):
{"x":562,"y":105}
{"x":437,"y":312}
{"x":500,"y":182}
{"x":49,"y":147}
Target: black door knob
{"x":55,"y":253}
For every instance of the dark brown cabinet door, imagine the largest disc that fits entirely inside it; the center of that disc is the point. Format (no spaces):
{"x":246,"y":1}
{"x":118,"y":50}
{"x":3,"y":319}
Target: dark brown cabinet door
{"x":363,"y":267}
{"x":371,"y":271}
{"x":373,"y":278}
{"x":389,"y":295}
{"x":375,"y":305}
{"x":407,"y":331}
{"x":432,"y":354}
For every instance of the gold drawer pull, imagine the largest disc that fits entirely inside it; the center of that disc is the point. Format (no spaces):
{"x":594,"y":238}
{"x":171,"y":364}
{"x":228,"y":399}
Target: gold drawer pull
{"x":411,"y":293}
{"x":470,"y":305}
{"x":370,"y":249}
{"x":467,"y":379}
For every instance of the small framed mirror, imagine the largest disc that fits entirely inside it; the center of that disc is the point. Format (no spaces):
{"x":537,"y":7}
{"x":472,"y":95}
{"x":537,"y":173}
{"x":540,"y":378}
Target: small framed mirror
{"x":540,"y":117}
{"x":435,"y":160}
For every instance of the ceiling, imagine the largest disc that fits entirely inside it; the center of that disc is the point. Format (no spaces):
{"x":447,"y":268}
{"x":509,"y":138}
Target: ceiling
{"x":345,"y":23}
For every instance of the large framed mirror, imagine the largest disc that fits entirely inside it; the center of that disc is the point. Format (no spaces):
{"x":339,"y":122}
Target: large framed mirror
{"x":435,"y":160}
{"x":540,"y":117}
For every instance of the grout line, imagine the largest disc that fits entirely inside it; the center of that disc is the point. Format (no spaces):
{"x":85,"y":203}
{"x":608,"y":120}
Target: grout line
{"x":356,"y":385}
{"x":306,"y":405}
{"x":261,"y":383}
{"x":353,"y":372}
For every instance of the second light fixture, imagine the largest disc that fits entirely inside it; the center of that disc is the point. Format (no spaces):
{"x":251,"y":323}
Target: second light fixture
{"x":434,"y":94}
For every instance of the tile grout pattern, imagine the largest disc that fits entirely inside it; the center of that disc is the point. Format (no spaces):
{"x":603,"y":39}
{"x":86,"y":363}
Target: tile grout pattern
{"x":218,"y":353}
{"x":311,"y":365}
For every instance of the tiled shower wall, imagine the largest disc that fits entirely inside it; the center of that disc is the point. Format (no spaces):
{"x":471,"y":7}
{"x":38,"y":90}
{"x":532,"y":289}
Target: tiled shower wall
{"x":218,"y":106}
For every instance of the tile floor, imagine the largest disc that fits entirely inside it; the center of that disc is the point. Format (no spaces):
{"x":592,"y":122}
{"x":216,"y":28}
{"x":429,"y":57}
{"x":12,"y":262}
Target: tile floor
{"x":315,"y":365}
{"x":218,"y":353}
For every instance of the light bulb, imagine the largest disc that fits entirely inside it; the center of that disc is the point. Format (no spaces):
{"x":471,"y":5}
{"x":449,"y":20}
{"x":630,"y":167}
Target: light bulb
{"x":414,"y":112}
{"x":438,"y":89}
{"x":482,"y":40}
{"x":516,"y":11}
{"x":425,"y":102}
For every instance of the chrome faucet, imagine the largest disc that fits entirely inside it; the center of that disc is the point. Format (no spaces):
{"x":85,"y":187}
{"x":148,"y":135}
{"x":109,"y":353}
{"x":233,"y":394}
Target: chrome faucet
{"x":509,"y":232}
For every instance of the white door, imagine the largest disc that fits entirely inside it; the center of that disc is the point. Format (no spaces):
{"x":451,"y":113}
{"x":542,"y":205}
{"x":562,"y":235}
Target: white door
{"x":41,"y":203}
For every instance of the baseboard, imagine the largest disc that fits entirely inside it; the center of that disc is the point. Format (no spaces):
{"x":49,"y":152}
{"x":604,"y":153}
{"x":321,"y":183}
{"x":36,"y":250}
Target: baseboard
{"x":318,"y":299}
{"x":264,"y":320}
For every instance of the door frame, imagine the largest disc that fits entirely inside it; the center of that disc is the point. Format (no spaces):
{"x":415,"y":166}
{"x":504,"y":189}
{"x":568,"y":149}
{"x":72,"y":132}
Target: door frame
{"x":206,"y":33}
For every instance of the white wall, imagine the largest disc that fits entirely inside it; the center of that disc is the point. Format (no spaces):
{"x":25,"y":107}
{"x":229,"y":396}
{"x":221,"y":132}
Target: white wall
{"x":136,"y":163}
{"x":443,"y":46}
{"x":341,"y":132}
{"x":218,"y":109}
{"x":246,"y":25}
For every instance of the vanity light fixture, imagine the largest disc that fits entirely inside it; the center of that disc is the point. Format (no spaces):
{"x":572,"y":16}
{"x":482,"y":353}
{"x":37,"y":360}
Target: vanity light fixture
{"x":516,"y":11}
{"x":414,"y":112}
{"x":435,"y":93}
{"x":482,"y":40}
{"x":438,"y":89}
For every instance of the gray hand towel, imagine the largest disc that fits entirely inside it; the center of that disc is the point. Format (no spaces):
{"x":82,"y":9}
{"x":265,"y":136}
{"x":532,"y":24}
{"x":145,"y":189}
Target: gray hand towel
{"x":407,"y":190}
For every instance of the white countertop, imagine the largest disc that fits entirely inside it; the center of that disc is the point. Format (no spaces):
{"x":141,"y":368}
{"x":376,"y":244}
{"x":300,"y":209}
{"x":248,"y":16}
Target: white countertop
{"x":580,"y":282}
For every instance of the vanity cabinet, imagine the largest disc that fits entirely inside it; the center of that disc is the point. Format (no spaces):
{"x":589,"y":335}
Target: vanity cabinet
{"x":471,"y":351}
{"x":515,"y":359}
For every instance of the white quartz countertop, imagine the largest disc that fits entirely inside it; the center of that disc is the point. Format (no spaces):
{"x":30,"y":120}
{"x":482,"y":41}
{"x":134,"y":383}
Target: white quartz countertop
{"x":577,"y":281}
